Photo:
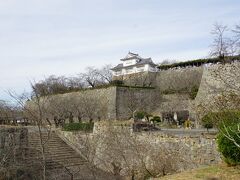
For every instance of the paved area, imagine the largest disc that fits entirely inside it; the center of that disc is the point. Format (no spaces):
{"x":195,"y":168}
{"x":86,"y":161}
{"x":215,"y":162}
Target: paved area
{"x":189,"y":131}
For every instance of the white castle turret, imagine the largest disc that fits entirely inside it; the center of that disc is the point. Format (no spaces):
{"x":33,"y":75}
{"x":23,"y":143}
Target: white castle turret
{"x":133,"y":63}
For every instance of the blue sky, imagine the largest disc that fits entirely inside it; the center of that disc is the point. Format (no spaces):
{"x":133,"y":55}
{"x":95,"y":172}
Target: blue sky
{"x":43,"y":37}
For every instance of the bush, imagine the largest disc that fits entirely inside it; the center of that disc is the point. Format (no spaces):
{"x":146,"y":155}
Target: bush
{"x":78,"y":127}
{"x":198,"y":62}
{"x":140,"y":115}
{"x":227,"y":148}
{"x":193,"y":92}
{"x":116,"y":82}
{"x":156,"y":119}
{"x":207,"y":121}
{"x":218,"y":119}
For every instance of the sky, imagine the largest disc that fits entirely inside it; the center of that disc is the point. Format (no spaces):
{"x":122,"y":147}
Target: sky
{"x":39,"y":38}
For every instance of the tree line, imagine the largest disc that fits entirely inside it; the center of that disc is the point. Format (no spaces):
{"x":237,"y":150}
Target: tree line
{"x":91,"y":78}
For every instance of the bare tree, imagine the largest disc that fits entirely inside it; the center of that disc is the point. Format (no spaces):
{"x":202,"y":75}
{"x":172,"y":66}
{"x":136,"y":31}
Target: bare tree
{"x":51,"y":85}
{"x":94,"y":77}
{"x":91,"y":76}
{"x":77,"y":106}
{"x":236,"y":32}
{"x":138,"y":99}
{"x":221,"y":43}
{"x":93,"y":107}
{"x":123,"y":153}
{"x":134,"y":103}
{"x":59,"y":109}
{"x":105,"y":73}
{"x":36,"y":110}
{"x":75,"y":83}
{"x":58,"y":85}
{"x":5,"y":112}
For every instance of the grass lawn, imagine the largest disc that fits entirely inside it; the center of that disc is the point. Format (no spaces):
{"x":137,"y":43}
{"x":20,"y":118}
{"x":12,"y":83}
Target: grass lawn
{"x":216,"y":172}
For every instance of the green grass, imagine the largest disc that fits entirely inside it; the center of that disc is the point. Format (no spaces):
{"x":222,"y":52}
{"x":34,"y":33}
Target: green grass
{"x":218,"y":172}
{"x":78,"y":127}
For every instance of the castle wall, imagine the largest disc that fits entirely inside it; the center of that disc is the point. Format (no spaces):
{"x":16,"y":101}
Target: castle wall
{"x":170,"y":81}
{"x":179,"y":79}
{"x":99,"y":103}
{"x":165,"y":80}
{"x":104,"y":100}
{"x":143,"y":79}
{"x":174,"y":102}
{"x":116,"y":143}
{"x":112,"y":103}
{"x":218,"y":79}
{"x":135,"y":99}
{"x":166,"y":96}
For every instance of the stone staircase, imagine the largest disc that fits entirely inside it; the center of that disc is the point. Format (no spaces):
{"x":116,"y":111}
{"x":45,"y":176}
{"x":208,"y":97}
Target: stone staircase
{"x":62,"y":162}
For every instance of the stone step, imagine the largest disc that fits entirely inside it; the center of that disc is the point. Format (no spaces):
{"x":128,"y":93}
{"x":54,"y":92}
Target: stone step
{"x":59,"y":156}
{"x":55,"y":157}
{"x":52,"y":147}
{"x":54,"y":151}
{"x":51,"y":156}
{"x":44,"y":140}
{"x":56,"y":165}
{"x":49,"y":145}
{"x":52,"y":136}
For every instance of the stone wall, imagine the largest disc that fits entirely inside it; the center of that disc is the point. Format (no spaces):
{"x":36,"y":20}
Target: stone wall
{"x":197,"y":149}
{"x":139,"y":79}
{"x":136,"y":99}
{"x":179,"y":79}
{"x":173,"y":103}
{"x":168,"y":95}
{"x":103,"y":99}
{"x":111,"y":103}
{"x":217,"y":80}
{"x":13,"y":149}
{"x":166,"y":80}
{"x":113,"y":144}
{"x":13,"y":138}
{"x":171,"y":92}
{"x":97,"y":103}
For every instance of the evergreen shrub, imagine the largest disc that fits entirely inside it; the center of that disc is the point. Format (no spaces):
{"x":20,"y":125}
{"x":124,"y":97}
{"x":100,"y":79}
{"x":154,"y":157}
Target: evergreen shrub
{"x":221,"y":118}
{"x":156,"y":119}
{"x":140,"y":115}
{"x":227,"y":147}
{"x":78,"y":126}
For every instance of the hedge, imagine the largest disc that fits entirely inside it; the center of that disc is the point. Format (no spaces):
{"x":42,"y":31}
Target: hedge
{"x":199,"y":62}
{"x":78,"y":127}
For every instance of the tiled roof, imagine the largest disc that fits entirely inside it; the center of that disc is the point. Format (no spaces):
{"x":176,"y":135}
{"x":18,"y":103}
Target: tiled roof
{"x":119,"y":66}
{"x":140,"y":62}
{"x":131,"y":55}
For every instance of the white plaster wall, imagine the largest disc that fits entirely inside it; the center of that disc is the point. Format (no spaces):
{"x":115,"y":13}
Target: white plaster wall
{"x":129,"y":62}
{"x":145,"y":68}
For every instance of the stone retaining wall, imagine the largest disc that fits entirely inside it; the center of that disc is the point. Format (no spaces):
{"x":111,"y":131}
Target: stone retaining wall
{"x":156,"y":151}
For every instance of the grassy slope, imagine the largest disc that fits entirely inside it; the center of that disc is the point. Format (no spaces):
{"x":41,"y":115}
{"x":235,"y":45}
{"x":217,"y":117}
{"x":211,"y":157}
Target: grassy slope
{"x":216,"y":172}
